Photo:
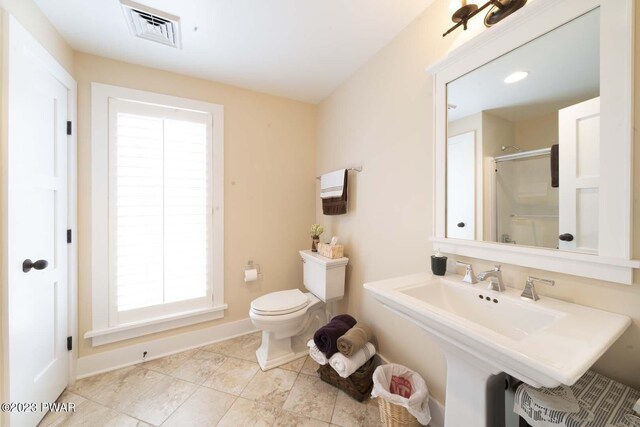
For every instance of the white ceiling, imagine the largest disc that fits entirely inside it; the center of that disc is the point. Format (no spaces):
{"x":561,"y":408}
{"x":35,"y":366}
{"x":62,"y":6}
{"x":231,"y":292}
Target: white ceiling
{"x":300,"y":49}
{"x":563,"y":66}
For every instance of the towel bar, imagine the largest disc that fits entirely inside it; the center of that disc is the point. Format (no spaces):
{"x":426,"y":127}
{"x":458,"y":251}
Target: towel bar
{"x":356,"y":168}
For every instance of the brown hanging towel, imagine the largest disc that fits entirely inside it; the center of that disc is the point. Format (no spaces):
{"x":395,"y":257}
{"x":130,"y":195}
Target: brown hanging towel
{"x":334,"y":197}
{"x":555,"y":166}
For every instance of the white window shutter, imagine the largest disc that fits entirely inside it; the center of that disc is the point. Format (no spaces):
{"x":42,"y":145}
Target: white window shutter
{"x":161,"y":211}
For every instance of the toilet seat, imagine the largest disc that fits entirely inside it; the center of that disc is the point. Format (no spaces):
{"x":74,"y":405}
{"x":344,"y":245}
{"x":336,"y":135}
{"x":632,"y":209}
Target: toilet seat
{"x":279,"y":303}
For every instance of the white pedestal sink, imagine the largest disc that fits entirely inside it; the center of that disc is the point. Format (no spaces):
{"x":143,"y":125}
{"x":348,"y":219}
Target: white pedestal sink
{"x":484,"y":334}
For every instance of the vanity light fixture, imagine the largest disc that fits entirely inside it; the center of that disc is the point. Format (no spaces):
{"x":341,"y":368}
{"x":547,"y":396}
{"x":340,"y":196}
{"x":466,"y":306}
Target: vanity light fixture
{"x":464,"y":10}
{"x":516,"y":77}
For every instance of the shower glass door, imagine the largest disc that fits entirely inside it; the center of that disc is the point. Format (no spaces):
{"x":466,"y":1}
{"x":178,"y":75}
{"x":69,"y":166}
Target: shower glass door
{"x":526,"y":204}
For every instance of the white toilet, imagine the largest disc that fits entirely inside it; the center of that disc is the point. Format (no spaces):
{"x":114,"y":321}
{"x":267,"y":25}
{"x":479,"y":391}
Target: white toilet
{"x":289,"y":318}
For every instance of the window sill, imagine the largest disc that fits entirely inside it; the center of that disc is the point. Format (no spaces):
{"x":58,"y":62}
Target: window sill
{"x":158,"y":324}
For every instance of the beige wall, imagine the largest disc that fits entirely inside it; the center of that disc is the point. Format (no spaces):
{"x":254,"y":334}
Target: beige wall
{"x":269,"y":182}
{"x":382,"y":117}
{"x":496,"y":132}
{"x":537,"y":132}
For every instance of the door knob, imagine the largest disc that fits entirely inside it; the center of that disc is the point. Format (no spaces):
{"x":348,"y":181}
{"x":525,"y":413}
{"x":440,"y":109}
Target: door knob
{"x":566,"y":237}
{"x":461,"y":224}
{"x":27,"y":265}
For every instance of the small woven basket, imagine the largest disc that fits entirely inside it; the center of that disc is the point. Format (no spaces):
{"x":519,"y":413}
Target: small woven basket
{"x":358,"y":385}
{"x":328,"y":251}
{"x":395,"y":415}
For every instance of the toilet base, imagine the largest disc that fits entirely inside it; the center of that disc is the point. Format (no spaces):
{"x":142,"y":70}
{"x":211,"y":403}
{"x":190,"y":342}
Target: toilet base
{"x":276,"y":349}
{"x":275,"y":352}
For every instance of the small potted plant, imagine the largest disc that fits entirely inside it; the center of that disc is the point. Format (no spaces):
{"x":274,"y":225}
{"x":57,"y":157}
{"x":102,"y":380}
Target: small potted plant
{"x":316,"y":231}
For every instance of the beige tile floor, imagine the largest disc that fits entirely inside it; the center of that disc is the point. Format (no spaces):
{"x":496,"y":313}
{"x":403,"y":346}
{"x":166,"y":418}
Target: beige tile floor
{"x":217,"y":385}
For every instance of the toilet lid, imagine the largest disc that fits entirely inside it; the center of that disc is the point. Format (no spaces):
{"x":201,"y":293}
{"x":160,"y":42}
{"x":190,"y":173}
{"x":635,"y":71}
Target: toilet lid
{"x":281,"y":302}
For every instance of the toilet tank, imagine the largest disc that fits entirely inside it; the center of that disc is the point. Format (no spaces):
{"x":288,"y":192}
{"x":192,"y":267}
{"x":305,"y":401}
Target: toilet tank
{"x":324,"y":277}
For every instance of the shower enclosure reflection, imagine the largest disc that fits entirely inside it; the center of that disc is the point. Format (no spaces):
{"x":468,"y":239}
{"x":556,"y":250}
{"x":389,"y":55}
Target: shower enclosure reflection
{"x":526,"y":202}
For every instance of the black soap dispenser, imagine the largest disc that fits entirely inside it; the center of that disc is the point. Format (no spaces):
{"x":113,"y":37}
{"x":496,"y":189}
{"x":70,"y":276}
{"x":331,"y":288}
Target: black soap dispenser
{"x":438,"y":264}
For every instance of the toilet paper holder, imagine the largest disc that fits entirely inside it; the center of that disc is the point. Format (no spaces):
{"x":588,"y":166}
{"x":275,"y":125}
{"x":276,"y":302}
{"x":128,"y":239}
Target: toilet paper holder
{"x":252,"y":266}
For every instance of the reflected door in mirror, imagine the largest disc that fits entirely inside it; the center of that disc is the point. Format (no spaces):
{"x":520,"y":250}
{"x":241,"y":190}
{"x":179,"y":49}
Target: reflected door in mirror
{"x":461,"y":186}
{"x":579,"y":129}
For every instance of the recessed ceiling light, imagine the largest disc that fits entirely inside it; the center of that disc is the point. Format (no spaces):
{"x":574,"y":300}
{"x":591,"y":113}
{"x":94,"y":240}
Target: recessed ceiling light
{"x":516,"y":77}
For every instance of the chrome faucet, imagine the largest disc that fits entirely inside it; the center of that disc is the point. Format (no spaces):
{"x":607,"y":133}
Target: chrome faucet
{"x":469,"y":277}
{"x":529,"y":291}
{"x":496,"y":283}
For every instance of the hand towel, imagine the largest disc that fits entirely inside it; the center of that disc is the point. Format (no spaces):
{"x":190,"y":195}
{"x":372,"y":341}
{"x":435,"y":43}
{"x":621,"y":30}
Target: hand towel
{"x":345,"y":366}
{"x":326,"y":338}
{"x":333,"y":192}
{"x":316,"y":354}
{"x":332,"y":184}
{"x":354,"y":339}
{"x":555,"y":165}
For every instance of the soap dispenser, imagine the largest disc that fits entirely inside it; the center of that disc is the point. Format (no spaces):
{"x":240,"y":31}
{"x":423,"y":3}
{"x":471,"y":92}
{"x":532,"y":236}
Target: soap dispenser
{"x":438,"y":264}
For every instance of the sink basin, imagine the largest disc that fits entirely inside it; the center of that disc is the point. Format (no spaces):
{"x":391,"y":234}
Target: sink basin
{"x":511,"y":318}
{"x":485,"y":334}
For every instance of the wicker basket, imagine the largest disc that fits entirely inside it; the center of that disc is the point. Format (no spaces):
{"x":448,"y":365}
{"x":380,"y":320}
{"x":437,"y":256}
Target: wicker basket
{"x":395,"y":415}
{"x":358,"y":385}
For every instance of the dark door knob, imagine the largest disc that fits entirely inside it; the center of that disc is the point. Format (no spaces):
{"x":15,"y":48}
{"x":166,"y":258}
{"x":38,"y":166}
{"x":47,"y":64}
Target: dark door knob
{"x":27,"y":265}
{"x":566,"y":237}
{"x":461,"y":224}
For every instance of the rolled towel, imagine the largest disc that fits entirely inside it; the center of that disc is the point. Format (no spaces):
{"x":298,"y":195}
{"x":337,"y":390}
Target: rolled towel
{"x":345,"y":366}
{"x":354,"y":339}
{"x":326,"y":338}
{"x":316,"y":354}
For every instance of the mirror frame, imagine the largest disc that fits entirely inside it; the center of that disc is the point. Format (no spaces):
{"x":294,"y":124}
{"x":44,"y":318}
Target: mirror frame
{"x":613,"y":262}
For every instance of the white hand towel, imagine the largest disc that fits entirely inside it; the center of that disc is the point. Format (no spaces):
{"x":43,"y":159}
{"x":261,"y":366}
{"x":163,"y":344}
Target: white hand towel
{"x":346,"y":366}
{"x":316,"y":354}
{"x":332,"y":184}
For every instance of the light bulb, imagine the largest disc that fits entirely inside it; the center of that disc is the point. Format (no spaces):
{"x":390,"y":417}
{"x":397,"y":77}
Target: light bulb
{"x":454,"y":5}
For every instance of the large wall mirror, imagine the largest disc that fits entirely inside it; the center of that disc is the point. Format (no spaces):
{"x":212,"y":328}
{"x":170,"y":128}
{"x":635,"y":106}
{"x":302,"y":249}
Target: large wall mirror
{"x":511,"y":149}
{"x":533,"y":141}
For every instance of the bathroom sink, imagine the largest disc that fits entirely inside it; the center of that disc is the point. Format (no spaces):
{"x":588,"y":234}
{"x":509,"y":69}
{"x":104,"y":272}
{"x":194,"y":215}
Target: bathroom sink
{"x":486,"y":333}
{"x":511,"y":318}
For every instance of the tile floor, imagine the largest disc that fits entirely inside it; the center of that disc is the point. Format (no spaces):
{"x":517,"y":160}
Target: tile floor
{"x":217,"y":385}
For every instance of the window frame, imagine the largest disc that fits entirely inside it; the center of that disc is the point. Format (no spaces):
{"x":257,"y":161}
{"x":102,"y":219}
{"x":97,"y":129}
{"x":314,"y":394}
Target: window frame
{"x":105,"y":328}
{"x":117,"y":106}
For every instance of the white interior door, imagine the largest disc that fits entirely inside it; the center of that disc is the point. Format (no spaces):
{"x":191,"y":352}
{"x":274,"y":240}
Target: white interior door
{"x":37,"y":223}
{"x":461,"y":194}
{"x":579,"y":176}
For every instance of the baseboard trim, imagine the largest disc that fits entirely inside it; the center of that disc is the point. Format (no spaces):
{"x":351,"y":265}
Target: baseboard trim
{"x":436,"y":408}
{"x":130,"y":355}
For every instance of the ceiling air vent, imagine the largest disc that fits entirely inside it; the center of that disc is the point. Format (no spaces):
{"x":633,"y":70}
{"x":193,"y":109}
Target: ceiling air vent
{"x":152,"y":24}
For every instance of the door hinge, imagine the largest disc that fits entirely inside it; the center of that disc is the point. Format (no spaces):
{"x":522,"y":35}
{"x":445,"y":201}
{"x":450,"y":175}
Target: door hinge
{"x":69,"y":343}
{"x":69,"y":128}
{"x":69,"y":236}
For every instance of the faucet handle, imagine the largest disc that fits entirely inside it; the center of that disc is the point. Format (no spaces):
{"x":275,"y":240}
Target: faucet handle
{"x":496,"y":267}
{"x":464,"y":264}
{"x":549,"y":282}
{"x":529,"y":291}
{"x":469,"y":277}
